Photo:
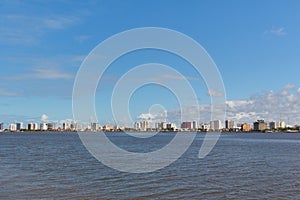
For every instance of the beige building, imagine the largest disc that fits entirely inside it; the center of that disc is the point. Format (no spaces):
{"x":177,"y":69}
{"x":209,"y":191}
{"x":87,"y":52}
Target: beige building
{"x":246,"y":127}
{"x":260,"y":125}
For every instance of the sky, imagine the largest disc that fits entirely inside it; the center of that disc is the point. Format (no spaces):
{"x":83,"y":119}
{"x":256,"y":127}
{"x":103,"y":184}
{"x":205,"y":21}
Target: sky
{"x":255,"y":45}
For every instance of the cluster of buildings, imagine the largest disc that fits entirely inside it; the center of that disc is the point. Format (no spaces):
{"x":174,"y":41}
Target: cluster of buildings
{"x":39,"y":127}
{"x":159,"y":126}
{"x":143,"y":126}
{"x":52,"y":126}
{"x":216,"y":125}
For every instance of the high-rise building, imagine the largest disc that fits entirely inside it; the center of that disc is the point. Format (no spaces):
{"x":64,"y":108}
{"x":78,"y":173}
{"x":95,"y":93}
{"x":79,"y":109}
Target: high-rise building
{"x":74,"y":126}
{"x":43,"y":126}
{"x":272,"y":125}
{"x":95,"y":126}
{"x":35,"y":126}
{"x":145,"y":125}
{"x":12,"y":127}
{"x":280,"y":124}
{"x":158,"y":125}
{"x":229,"y":124}
{"x":171,"y":126}
{"x":260,"y":125}
{"x":30,"y":127}
{"x":51,"y":126}
{"x":161,"y":125}
{"x":142,"y":126}
{"x":195,"y":125}
{"x":186,"y":125}
{"x":137,"y":125}
{"x":65,"y":126}
{"x":19,"y":126}
{"x":1,"y":126}
{"x":216,"y":125}
{"x":164,"y":125}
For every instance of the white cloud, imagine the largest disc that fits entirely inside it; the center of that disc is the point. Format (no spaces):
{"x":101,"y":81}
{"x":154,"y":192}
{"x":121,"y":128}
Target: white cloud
{"x":213,"y":93}
{"x":44,"y":117}
{"x":159,"y":116}
{"x":238,"y":103}
{"x":283,"y":105}
{"x":271,"y":106}
{"x":146,"y":116}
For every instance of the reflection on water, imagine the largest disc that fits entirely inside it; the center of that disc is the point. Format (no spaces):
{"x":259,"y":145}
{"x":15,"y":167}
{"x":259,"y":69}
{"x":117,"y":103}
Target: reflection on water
{"x":57,"y":166}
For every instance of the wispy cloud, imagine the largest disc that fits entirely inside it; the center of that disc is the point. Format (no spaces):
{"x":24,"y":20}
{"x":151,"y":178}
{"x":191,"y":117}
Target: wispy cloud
{"x":54,"y":74}
{"x":38,"y":64}
{"x":176,"y":77}
{"x":42,"y":73}
{"x":50,"y":74}
{"x":7,"y":93}
{"x":24,"y":29}
{"x":289,"y":86}
{"x":277,"y":31}
{"x":59,"y":22}
{"x":82,"y":38}
{"x":46,"y":62}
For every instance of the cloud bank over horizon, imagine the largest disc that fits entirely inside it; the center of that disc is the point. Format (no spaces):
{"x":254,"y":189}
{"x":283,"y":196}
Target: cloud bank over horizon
{"x":283,"y":105}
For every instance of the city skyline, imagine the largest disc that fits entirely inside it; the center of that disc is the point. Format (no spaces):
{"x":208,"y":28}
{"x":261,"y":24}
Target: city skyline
{"x":255,"y":48}
{"x":148,"y":125}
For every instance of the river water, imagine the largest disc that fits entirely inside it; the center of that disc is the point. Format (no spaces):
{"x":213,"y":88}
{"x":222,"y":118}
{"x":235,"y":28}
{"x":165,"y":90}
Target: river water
{"x":241,"y":166}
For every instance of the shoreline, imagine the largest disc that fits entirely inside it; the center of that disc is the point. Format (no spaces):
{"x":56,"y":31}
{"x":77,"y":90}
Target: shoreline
{"x":158,"y":132}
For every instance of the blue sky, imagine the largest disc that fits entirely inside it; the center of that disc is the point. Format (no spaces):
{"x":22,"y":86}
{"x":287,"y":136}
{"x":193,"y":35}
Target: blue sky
{"x":255,"y":44}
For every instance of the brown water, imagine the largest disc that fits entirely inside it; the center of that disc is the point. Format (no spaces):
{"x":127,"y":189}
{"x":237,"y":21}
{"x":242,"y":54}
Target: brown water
{"x":57,"y":166}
